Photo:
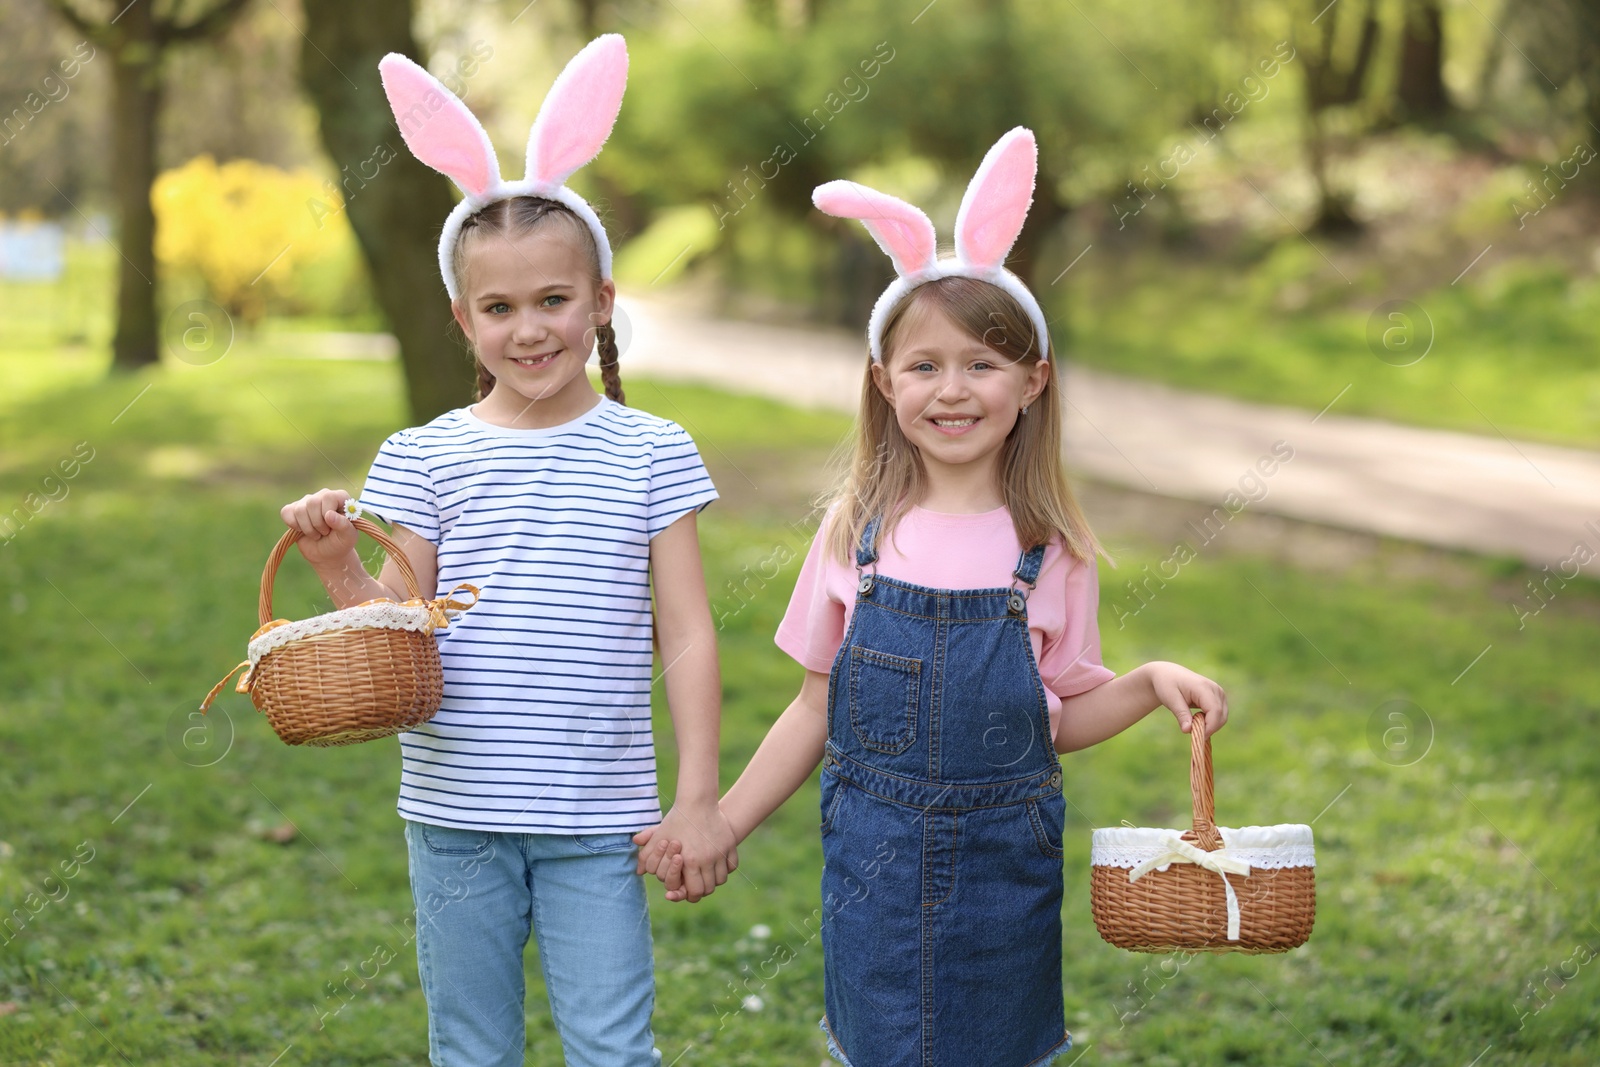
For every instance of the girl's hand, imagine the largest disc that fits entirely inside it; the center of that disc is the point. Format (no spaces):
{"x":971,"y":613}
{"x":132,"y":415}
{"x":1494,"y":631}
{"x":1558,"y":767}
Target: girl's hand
{"x":326,"y":535}
{"x":699,"y":841}
{"x":664,"y":859}
{"x":656,"y":851}
{"x":1179,"y":689}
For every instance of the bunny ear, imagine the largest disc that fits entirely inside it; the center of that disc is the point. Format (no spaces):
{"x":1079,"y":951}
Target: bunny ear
{"x":996,"y":202}
{"x":901,"y":230}
{"x":579,"y":111}
{"x":437,"y":126}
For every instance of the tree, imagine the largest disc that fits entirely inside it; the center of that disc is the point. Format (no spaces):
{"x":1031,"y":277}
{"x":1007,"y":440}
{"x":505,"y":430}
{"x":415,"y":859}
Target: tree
{"x":137,"y":38}
{"x":1419,"y":91}
{"x":976,"y":68}
{"x":50,"y":157}
{"x":396,"y":205}
{"x":783,"y":103}
{"x":1559,"y":40}
{"x":1333,"y":78}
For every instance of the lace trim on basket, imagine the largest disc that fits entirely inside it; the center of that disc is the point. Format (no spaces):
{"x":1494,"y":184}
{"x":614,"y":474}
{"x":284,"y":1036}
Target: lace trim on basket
{"x":418,"y":616}
{"x":1270,"y":859}
{"x":1269,"y":847}
{"x":387,"y":616}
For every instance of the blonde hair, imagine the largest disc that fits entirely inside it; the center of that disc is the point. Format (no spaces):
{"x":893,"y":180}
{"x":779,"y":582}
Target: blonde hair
{"x":884,"y":474}
{"x":514,"y":217}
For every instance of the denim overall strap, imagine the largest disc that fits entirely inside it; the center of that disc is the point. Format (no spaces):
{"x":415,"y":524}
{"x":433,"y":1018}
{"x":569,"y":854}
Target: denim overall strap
{"x":1028,"y":565}
{"x":1026,"y":574}
{"x":867,"y":549}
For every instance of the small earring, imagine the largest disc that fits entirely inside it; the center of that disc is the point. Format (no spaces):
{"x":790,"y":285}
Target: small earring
{"x":1024,"y":409}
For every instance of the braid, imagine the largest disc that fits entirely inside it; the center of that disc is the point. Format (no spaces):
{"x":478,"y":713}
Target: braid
{"x":606,"y":342}
{"x":485,"y":379}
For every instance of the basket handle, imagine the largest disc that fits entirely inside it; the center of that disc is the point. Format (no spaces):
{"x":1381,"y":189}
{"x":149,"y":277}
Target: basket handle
{"x":291,"y":535}
{"x":1204,"y":831}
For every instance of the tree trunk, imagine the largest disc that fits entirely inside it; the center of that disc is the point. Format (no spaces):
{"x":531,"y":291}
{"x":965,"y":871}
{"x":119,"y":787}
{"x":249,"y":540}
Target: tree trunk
{"x":1333,"y":210}
{"x":849,"y":279}
{"x":764,"y":12}
{"x":136,"y":101}
{"x":1420,"y":91}
{"x":1586,"y":49}
{"x":137,"y":46}
{"x":1330,"y":84}
{"x":588,"y":17}
{"x":397,"y":212}
{"x":1044,"y":219}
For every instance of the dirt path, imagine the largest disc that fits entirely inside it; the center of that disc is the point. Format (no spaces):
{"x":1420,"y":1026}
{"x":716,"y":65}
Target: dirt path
{"x":1489,"y":495}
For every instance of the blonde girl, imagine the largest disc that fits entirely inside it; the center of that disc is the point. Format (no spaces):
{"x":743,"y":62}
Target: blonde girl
{"x":945,"y":618}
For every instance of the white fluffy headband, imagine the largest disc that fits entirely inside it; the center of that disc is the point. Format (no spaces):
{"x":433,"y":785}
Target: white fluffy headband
{"x":991,"y":216}
{"x":574,"y":121}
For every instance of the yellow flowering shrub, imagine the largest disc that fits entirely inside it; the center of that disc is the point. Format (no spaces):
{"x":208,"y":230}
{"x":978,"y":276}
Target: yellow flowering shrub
{"x":245,"y":228}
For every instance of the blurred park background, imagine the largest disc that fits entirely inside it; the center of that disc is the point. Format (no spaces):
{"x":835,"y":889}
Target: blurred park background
{"x":218,"y":291}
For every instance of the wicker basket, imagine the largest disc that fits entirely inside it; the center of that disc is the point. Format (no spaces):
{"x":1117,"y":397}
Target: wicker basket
{"x":352,"y":675}
{"x":1210,"y":889}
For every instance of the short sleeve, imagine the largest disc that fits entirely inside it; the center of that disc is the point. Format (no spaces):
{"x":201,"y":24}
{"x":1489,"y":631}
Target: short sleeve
{"x":679,"y":482}
{"x":1070,"y":661}
{"x":400,"y":489}
{"x":813,"y":626}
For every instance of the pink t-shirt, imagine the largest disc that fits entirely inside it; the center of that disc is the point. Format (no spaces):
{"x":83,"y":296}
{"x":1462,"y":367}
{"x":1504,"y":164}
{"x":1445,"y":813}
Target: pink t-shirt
{"x":943,"y":551}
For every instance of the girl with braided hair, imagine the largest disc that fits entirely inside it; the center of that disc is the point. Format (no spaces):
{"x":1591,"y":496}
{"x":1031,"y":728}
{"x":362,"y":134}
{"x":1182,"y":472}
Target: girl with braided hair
{"x":568,"y":510}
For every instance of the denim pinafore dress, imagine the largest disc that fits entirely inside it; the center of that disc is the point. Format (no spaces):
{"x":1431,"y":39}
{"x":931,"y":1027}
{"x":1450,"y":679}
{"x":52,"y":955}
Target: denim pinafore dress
{"x":941,"y":831}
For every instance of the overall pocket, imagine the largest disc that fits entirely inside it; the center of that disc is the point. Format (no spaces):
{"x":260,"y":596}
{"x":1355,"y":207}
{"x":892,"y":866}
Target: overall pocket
{"x":1048,"y":815}
{"x":884,"y":690}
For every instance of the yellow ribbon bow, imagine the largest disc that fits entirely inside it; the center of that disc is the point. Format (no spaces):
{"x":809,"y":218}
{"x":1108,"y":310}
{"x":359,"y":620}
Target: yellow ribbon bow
{"x":440,"y":608}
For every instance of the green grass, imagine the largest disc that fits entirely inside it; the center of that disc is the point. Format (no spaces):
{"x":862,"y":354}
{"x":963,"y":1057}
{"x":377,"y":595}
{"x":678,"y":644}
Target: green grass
{"x":1512,"y":346}
{"x":1447,"y":886}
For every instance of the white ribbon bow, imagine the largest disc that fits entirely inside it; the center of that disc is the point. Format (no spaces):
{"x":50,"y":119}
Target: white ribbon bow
{"x":1180,"y":851}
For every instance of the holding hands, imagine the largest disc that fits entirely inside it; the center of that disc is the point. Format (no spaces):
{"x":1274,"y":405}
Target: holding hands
{"x":692,"y":850}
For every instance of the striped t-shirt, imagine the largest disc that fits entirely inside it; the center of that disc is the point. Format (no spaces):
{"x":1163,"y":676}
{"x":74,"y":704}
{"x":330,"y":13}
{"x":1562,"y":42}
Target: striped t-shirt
{"x":545,"y":725}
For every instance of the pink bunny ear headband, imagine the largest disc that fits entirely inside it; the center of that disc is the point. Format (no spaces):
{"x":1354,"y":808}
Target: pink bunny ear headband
{"x":991,"y":216}
{"x":575,"y":120}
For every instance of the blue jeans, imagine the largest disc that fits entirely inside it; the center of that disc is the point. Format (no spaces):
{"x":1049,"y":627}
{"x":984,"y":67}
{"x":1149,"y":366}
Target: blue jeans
{"x":478,"y":893}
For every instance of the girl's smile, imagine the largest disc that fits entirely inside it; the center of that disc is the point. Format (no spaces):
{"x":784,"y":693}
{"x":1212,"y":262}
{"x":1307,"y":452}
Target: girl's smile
{"x":954,"y":425}
{"x":535,"y":361}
